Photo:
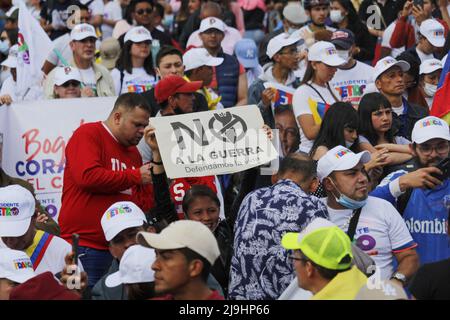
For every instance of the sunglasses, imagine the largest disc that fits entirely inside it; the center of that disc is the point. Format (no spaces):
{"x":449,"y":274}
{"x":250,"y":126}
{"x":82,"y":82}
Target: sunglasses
{"x":72,"y":83}
{"x":142,"y":11}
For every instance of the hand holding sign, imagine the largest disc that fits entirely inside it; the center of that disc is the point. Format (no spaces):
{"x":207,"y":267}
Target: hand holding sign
{"x":268,"y":96}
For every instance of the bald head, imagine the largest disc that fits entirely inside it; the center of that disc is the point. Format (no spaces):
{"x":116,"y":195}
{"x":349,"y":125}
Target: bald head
{"x":211,"y":9}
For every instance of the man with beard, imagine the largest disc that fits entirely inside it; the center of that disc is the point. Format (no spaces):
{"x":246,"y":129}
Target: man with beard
{"x":419,"y":195}
{"x":103,"y":166}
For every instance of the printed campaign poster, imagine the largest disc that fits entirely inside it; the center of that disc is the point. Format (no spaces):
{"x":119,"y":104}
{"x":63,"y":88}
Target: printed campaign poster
{"x":213,"y":142}
{"x":35,"y":134}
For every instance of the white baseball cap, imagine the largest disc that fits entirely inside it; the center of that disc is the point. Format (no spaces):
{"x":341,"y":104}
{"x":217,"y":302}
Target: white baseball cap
{"x":430,"y":128}
{"x":15,"y":265}
{"x":430,"y":65}
{"x":138,"y":34}
{"x":135,"y":267}
{"x":64,"y":74}
{"x":11,"y":61}
{"x":82,"y":31}
{"x":295,"y":13}
{"x":212,"y":23}
{"x":17,"y":206}
{"x":387,"y":63}
{"x":339,"y":159}
{"x":197,"y":57}
{"x":279,"y":42}
{"x":433,"y":31}
{"x":325,"y":52}
{"x":183,"y":234}
{"x":120,"y":216}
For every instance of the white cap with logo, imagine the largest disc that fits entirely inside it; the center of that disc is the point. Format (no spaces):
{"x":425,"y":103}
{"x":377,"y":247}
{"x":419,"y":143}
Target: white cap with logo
{"x":11,"y":61}
{"x":339,"y":159}
{"x":430,"y":128}
{"x":212,"y":23}
{"x":135,"y":267}
{"x":15,"y":265}
{"x":279,"y":42}
{"x":197,"y":57}
{"x":430,"y":65}
{"x":180,"y":234}
{"x":138,"y":34}
{"x":64,"y":74}
{"x":120,"y":216}
{"x":433,"y":31}
{"x":82,"y":31}
{"x":326,"y":53}
{"x":17,"y":206}
{"x":387,"y":63}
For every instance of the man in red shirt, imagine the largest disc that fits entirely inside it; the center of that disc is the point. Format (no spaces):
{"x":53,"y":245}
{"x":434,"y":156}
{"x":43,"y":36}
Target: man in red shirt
{"x":103,"y":166}
{"x":185,"y":252}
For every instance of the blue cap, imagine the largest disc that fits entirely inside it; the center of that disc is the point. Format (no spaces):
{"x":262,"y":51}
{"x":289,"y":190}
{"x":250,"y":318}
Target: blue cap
{"x":247,"y":53}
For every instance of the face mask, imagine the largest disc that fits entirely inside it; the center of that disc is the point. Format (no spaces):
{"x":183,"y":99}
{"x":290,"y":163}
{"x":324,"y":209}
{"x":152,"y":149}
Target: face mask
{"x":336,"y":16}
{"x":430,"y":89}
{"x":291,"y":30}
{"x":343,"y":54}
{"x":4,"y":47}
{"x":347,"y":202}
{"x":168,"y":20}
{"x":348,"y":144}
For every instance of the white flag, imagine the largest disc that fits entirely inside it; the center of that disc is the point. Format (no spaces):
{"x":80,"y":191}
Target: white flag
{"x":34,"y":47}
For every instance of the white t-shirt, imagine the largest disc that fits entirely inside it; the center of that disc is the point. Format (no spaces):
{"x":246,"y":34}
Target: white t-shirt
{"x":380,"y":232}
{"x":423,"y":56}
{"x":429,"y":101}
{"x":139,"y":81}
{"x":113,"y":11}
{"x":351,"y":83}
{"x":10,"y":87}
{"x":96,"y":7}
{"x":307,"y":101}
{"x":88,"y":79}
{"x":62,"y":45}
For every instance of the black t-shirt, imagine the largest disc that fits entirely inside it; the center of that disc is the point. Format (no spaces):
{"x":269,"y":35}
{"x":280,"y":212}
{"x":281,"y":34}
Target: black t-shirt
{"x":432,"y":281}
{"x":389,"y":10}
{"x":56,"y":7}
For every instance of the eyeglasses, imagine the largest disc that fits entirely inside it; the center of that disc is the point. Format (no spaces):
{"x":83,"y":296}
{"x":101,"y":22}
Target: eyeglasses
{"x":142,"y":11}
{"x":427,"y":149}
{"x":290,"y":52}
{"x":297,"y":259}
{"x":72,"y":83}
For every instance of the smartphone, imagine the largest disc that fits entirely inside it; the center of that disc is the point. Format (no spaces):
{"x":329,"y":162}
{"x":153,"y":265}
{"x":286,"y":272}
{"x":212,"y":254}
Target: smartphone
{"x":75,"y":239}
{"x":444,"y":166}
{"x":418,"y":3}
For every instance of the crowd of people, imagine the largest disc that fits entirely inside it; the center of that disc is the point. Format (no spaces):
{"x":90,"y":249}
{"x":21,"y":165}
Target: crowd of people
{"x":358,"y":208}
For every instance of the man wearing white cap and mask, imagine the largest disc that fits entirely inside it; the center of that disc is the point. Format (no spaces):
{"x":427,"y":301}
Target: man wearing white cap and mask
{"x":389,"y":80}
{"x":67,"y":83}
{"x":429,"y":75}
{"x":198,"y":66}
{"x":17,"y":231}
{"x":420,"y":194}
{"x":374,"y":224}
{"x":96,"y":80}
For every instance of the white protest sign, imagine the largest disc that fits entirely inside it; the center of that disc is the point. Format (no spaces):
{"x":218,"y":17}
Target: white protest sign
{"x":35,"y":134}
{"x":213,"y":142}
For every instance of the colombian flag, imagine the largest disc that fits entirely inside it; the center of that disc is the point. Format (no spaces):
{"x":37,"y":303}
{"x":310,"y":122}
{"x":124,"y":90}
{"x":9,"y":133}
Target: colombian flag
{"x":441,"y":102}
{"x":318,"y":110}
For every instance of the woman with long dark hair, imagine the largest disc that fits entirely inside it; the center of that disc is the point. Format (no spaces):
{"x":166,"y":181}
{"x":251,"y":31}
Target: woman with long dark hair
{"x":134,"y":70}
{"x":313,"y":97}
{"x":344,"y":16}
{"x":376,"y":132}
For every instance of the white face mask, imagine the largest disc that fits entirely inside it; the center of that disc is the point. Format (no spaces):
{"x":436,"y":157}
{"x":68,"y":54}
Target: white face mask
{"x":430,"y":89}
{"x":336,"y":16}
{"x":344,"y":54}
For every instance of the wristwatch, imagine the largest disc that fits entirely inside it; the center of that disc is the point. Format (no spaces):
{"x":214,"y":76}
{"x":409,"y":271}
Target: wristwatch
{"x":399,"y":276}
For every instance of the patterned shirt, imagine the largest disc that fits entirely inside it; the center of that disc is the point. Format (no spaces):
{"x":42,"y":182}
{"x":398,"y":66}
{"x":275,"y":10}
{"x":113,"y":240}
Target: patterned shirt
{"x":260,"y":268}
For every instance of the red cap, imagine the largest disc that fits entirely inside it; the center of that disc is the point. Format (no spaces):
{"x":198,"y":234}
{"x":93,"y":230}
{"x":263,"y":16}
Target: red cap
{"x":174,"y":84}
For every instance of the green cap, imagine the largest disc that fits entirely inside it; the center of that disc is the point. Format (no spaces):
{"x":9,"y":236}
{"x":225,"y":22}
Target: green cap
{"x":325,"y":246}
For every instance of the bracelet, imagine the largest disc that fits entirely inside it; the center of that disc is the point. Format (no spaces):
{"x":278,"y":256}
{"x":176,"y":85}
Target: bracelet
{"x":157,"y":163}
